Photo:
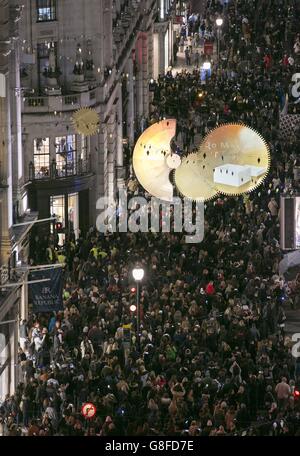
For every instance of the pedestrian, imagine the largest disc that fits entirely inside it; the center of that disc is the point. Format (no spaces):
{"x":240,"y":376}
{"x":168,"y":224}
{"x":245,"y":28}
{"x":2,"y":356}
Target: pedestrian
{"x":187,"y":56}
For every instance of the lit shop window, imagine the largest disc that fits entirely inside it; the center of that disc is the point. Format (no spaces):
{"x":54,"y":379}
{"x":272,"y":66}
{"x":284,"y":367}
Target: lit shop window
{"x":83,"y":140}
{"x":66,"y":210}
{"x":66,"y":160}
{"x":41,"y":154}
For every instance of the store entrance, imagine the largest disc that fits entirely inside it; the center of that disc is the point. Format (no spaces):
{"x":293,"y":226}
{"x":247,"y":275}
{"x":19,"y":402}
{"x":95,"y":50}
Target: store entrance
{"x":66,"y":210}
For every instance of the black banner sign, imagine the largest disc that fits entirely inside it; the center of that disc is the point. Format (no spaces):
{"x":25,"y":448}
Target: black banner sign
{"x":47,"y":296}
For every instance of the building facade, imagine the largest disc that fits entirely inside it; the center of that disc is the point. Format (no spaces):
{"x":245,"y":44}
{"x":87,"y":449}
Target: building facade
{"x":99,"y":54}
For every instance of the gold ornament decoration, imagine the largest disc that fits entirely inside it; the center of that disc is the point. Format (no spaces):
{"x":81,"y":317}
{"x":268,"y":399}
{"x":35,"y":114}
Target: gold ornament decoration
{"x":86,"y":121}
{"x":193,"y":179}
{"x":151,"y":156}
{"x":233,"y":159}
{"x":237,"y":158}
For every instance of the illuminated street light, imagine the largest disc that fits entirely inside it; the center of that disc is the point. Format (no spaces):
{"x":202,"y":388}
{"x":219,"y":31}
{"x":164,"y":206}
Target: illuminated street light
{"x":206,"y":66}
{"x":219,"y":22}
{"x":138,"y":275}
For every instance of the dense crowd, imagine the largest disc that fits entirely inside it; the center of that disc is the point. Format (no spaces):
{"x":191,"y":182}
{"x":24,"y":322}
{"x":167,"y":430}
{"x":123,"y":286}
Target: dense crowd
{"x":212,"y":357}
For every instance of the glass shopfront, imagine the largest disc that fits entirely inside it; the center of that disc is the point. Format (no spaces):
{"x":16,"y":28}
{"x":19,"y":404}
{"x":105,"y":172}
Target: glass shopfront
{"x":66,"y":210}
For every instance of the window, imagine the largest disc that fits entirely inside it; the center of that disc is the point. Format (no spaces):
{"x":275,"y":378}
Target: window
{"x":73,"y":213}
{"x":46,"y":10}
{"x":57,"y":209}
{"x":83,"y":165}
{"x":83,"y":148}
{"x":62,"y":206}
{"x":41,"y":157}
{"x":43,"y":53}
{"x":65,"y":155}
{"x":181,"y":8}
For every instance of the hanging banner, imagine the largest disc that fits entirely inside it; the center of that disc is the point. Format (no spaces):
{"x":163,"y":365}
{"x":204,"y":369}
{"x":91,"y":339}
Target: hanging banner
{"x":208,"y":48}
{"x":47,"y":296}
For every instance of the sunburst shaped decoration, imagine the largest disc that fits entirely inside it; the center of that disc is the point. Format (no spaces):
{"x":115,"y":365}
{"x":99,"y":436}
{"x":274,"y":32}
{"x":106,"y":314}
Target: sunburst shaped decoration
{"x":151,"y":159}
{"x":86,"y":121}
{"x":237,"y":158}
{"x":193,"y":179}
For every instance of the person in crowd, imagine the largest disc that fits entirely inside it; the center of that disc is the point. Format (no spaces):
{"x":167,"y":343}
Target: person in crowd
{"x":187,"y":53}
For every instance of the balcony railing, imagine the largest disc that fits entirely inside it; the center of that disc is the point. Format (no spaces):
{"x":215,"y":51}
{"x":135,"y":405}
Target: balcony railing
{"x":35,"y":102}
{"x":60,"y":170}
{"x":71,"y":99}
{"x":59,"y":103}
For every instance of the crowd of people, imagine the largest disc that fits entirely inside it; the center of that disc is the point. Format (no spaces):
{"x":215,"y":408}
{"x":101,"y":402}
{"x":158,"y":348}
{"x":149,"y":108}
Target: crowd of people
{"x":247,"y":84}
{"x":212,"y":357}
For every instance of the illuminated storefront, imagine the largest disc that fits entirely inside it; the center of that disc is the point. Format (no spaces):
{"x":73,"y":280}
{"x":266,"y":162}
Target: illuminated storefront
{"x":66,"y":209}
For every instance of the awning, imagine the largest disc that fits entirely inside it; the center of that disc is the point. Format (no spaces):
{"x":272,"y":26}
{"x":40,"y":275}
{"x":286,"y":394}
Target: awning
{"x":18,"y":233}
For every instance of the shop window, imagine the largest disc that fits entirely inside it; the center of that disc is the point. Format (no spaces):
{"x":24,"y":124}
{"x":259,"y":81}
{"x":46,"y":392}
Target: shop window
{"x":41,"y":158}
{"x":83,"y":148}
{"x":73,"y":214}
{"x":62,"y":206}
{"x":66,"y":159}
{"x":57,"y":209}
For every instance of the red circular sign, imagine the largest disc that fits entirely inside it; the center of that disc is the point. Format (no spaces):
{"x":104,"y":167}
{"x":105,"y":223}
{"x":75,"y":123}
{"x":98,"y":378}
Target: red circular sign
{"x":88,"y":410}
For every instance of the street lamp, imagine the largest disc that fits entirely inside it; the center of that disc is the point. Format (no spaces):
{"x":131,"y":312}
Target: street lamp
{"x":206,"y":73}
{"x":206,"y":66}
{"x":138,"y":275}
{"x":219,"y":22}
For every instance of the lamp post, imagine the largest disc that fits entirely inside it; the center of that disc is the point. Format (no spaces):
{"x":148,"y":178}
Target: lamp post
{"x":206,"y":71}
{"x":219,"y":22}
{"x":206,"y":65}
{"x":138,"y":275}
